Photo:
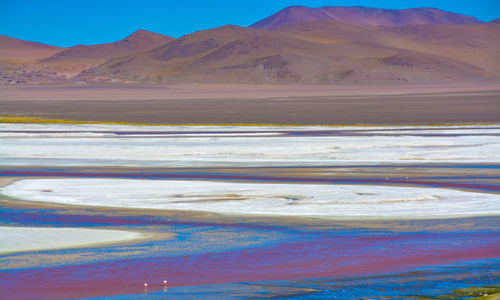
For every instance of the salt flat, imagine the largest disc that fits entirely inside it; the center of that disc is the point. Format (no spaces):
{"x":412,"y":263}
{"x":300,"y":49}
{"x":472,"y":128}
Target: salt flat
{"x":199,"y":146}
{"x":18,"y":239}
{"x":330,"y":201}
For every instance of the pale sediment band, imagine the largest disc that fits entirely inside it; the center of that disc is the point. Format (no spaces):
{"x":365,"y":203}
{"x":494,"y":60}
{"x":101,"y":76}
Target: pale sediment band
{"x":198,"y":146}
{"x":329,"y":201}
{"x":18,"y":239}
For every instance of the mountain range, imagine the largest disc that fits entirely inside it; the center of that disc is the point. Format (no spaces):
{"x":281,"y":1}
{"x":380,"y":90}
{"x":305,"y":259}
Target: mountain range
{"x":139,"y":41}
{"x":299,"y":44}
{"x":18,"y":49}
{"x":365,"y":16}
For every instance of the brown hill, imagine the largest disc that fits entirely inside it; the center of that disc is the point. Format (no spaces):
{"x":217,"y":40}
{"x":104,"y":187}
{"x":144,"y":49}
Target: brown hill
{"x":210,"y":55}
{"x":365,"y":16}
{"x":23,"y":62}
{"x":474,"y":44}
{"x":13,"y":48}
{"x":317,"y":52}
{"x":139,"y":41}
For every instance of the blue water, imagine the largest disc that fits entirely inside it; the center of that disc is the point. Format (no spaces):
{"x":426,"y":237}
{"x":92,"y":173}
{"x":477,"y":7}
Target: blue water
{"x":432,"y":281}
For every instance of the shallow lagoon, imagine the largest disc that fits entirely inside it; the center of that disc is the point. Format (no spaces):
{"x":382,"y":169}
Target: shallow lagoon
{"x":352,"y":256}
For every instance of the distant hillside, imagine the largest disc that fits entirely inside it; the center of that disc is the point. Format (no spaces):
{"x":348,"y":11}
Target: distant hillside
{"x":318,"y":52}
{"x":329,"y":45}
{"x":219,"y":55}
{"x":19,"y":49}
{"x":474,"y":44}
{"x":365,"y":16}
{"x":139,"y":41}
{"x":33,"y":63}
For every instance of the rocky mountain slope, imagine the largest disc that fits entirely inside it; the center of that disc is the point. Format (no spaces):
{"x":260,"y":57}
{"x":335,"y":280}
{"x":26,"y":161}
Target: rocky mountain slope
{"x":297,"y":45}
{"x":139,"y":41}
{"x":318,"y":52}
{"x":366,"y":16}
{"x":23,"y":62}
{"x":12,"y":48}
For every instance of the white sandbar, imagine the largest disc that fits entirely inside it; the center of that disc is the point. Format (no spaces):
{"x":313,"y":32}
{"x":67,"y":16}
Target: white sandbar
{"x":17,"y":239}
{"x":331,"y":201}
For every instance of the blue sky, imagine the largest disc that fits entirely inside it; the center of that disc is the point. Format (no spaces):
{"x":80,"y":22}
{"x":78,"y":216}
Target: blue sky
{"x":71,"y":22}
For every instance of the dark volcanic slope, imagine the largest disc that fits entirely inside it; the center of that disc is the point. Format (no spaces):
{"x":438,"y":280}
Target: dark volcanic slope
{"x":139,"y":41}
{"x":16,"y":48}
{"x":319,"y":52}
{"x":366,"y":16}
